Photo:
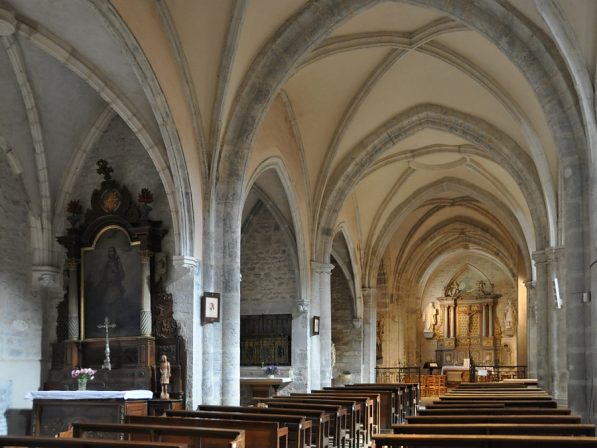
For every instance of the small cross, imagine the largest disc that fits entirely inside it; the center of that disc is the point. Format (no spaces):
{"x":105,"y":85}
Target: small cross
{"x":107,"y":325}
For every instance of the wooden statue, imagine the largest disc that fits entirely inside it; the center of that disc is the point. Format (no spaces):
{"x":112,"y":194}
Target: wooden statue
{"x":164,"y":377}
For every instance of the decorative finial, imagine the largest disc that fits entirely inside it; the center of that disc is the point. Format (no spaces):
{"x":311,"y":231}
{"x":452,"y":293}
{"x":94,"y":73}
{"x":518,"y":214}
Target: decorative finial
{"x":74,"y":208}
{"x":104,"y":169}
{"x":145,"y":198}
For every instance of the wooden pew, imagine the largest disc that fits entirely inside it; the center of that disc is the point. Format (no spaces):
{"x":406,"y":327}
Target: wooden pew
{"x":398,"y":397}
{"x":299,"y":428}
{"x":481,"y":441}
{"x":320,"y":421}
{"x":484,"y":418}
{"x":355,"y":410}
{"x":495,"y":411}
{"x":507,"y":403}
{"x":496,"y":397}
{"x":496,"y":385}
{"x":497,"y":428}
{"x":411,"y":394}
{"x":258,"y":434}
{"x":470,"y":405}
{"x":337,"y":415}
{"x":369,"y":404}
{"x":386,"y":409}
{"x":52,"y":442}
{"x":341,"y":425}
{"x":372,"y":405}
{"x":194,"y":437}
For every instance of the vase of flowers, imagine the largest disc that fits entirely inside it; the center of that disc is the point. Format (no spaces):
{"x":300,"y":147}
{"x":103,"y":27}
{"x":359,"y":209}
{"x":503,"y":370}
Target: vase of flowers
{"x":82,"y":376}
{"x":271,"y":371}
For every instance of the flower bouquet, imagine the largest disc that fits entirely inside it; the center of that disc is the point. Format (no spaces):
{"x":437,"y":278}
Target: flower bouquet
{"x":271,"y":370}
{"x":82,"y":376}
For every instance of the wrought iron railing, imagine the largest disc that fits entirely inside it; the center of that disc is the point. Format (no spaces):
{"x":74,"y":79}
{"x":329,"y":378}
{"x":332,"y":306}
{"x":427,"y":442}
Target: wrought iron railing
{"x":413,"y":374}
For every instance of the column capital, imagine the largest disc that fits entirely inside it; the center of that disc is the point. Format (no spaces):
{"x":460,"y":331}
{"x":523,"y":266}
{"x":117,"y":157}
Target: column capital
{"x":46,"y":277}
{"x":321,"y":268}
{"x":530,"y":284}
{"x":548,"y":255}
{"x":191,"y":264}
{"x":301,"y":306}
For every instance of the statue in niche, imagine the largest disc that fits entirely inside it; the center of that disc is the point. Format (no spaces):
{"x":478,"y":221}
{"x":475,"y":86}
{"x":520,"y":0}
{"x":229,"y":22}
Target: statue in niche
{"x":429,"y":319}
{"x":509,"y":316}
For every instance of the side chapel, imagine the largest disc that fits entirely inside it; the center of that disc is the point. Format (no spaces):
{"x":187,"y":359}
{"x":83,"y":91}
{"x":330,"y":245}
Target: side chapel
{"x":116,"y":316}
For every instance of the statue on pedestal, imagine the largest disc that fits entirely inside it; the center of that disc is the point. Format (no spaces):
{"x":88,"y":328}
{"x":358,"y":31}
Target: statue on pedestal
{"x":429,"y":319}
{"x":164,"y":377}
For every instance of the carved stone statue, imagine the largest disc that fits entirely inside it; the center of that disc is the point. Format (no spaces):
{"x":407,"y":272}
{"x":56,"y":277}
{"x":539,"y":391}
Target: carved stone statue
{"x":164,"y":377}
{"x":429,"y":319}
{"x":453,"y":289}
{"x":509,"y":318}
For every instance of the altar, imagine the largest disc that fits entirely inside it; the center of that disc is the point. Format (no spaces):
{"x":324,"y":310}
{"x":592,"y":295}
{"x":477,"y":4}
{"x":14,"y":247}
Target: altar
{"x":455,"y":374}
{"x":55,"y":410}
{"x":264,"y":387}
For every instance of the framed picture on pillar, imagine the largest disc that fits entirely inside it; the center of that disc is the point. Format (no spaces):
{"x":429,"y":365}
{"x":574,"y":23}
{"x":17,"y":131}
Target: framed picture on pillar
{"x":315,"y":325}
{"x":210,"y":308}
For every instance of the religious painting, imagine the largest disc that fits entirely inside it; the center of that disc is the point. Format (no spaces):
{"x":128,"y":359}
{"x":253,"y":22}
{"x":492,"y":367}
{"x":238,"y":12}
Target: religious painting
{"x":210,"y":308}
{"x":111,"y":284}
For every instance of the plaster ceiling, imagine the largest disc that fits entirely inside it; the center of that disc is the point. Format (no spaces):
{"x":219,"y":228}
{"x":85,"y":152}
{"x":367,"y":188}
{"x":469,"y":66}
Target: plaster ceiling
{"x":365,"y":72}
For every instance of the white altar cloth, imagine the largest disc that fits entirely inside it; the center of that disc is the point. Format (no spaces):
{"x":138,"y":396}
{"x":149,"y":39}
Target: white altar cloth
{"x":89,"y":394}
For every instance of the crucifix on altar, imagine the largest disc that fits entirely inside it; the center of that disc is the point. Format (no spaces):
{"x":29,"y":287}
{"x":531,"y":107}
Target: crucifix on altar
{"x":107,"y":325}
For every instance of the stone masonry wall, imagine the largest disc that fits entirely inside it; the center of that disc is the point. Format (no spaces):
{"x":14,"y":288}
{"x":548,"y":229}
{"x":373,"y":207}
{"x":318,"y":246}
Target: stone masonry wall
{"x":347,"y":339}
{"x":132,"y":167}
{"x":21,"y":316}
{"x":270,"y":281}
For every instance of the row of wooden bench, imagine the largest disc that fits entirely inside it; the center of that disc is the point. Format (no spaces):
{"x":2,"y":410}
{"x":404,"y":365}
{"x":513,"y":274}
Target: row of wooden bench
{"x":343,"y":418}
{"x":492,"y":415}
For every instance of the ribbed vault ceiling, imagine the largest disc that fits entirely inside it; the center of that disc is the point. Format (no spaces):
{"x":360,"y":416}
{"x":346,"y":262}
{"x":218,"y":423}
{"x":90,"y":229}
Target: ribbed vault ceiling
{"x":366,"y":76}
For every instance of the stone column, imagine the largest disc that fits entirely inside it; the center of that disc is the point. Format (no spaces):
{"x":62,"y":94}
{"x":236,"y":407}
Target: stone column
{"x":185,"y":286}
{"x":325,"y":323}
{"x":301,"y":351}
{"x":369,"y":334}
{"x":47,"y":293}
{"x":541,"y":349}
{"x":145,"y":317}
{"x":531,"y":328}
{"x":315,"y":340}
{"x":557,"y":331}
{"x":73,"y":299}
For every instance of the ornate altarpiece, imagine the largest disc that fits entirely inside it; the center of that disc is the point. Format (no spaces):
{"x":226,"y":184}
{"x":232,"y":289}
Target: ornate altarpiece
{"x":468,"y":325}
{"x":115,"y":271}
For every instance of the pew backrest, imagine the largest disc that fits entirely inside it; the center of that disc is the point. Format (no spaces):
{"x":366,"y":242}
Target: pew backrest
{"x":195,"y":437}
{"x":53,"y":442}
{"x":257,"y":433}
